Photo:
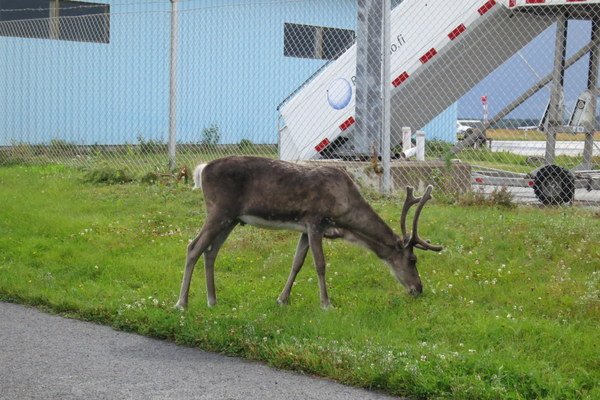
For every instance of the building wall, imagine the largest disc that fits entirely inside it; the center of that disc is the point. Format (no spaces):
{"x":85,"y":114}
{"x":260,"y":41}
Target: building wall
{"x":231,"y":73}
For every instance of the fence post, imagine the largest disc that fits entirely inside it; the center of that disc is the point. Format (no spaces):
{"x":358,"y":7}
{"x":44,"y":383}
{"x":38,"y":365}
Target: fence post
{"x":171,"y":147}
{"x":367,"y":134}
{"x":420,"y":146}
{"x":588,"y":146}
{"x":554,"y":118}
{"x":406,"y":138}
{"x":386,"y":142}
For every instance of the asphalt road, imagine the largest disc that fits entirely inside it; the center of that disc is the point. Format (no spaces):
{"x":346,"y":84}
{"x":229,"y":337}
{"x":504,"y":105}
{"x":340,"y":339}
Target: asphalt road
{"x":49,"y":357}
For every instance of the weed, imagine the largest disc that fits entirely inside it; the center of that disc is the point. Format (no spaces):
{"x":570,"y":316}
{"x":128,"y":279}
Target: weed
{"x":150,"y":178}
{"x":61,"y":148}
{"x":502,"y":197}
{"x":150,"y":146}
{"x":437,"y":148}
{"x":474,"y":198}
{"x":499,"y":197}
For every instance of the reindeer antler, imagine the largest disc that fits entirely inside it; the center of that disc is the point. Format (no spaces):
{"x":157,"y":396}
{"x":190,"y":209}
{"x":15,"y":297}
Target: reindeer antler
{"x":415,"y":240}
{"x":408,"y":203}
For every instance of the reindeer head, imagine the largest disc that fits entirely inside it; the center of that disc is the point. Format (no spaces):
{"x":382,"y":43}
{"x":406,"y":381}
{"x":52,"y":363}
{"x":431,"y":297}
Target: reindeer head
{"x":403,"y":261}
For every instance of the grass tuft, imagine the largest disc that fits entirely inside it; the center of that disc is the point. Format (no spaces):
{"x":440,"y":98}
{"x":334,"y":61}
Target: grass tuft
{"x":107,"y":175}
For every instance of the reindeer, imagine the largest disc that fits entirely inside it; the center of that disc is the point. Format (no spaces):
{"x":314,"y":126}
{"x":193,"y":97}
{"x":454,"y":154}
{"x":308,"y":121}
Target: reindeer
{"x":318,"y":202}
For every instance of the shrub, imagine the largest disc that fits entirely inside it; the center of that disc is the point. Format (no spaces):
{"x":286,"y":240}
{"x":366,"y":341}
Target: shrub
{"x":245,"y":144}
{"x":210,"y":136}
{"x":150,"y":146}
{"x":62,"y":148}
{"x":107,"y":175}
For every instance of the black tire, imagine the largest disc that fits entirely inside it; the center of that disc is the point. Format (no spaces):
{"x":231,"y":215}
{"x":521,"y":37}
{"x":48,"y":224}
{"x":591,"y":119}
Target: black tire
{"x":554,"y":185}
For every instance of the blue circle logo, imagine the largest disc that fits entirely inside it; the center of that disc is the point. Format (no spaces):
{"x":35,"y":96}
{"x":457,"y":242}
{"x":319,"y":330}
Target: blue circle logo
{"x":339,"y":93}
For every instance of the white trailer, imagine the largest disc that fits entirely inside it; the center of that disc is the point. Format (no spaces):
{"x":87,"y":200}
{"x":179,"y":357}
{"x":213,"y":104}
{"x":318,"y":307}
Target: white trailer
{"x":430,"y":42}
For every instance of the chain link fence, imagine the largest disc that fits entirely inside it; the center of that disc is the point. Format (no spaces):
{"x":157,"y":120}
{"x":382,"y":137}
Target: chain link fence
{"x":482,"y":94}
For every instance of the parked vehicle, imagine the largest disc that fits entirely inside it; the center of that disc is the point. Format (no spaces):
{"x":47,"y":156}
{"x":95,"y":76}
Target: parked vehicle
{"x":468,"y":127}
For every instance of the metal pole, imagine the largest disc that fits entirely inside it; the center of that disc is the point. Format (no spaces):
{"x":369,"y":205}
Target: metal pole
{"x":385,"y":80}
{"x":555,"y":112}
{"x":367,"y":134}
{"x":420,"y":146}
{"x":54,"y":19}
{"x":173,"y":87}
{"x":521,"y":99}
{"x":588,"y":147}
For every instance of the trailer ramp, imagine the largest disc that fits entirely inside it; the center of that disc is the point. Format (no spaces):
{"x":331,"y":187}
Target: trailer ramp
{"x":439,"y":51}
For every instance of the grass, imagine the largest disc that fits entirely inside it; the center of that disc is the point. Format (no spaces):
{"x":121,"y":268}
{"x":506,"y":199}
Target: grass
{"x":141,"y":158}
{"x":535,"y":135}
{"x":485,"y":157}
{"x":511,"y":307}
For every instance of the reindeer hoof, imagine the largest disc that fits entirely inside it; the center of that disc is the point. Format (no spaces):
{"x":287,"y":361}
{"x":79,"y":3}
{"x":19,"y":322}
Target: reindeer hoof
{"x":283,"y":302}
{"x":326,"y":306}
{"x":180,"y":306}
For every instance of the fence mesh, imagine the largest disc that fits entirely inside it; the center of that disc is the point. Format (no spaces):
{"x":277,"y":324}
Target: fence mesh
{"x":483,"y":94}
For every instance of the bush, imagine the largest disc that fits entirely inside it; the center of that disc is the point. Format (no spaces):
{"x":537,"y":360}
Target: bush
{"x":150,"y":146}
{"x":107,"y":175}
{"x":210,"y":136}
{"x":7,"y":161}
{"x":62,"y":148}
{"x":245,"y":145}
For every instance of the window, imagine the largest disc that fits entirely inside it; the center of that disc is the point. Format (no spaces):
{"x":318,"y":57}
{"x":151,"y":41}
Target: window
{"x":55,"y":19}
{"x":35,"y":11}
{"x":308,"y":41}
{"x":84,"y":22}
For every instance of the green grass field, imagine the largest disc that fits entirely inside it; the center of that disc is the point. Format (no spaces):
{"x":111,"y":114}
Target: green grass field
{"x":511,"y":307}
{"x":515,"y":134}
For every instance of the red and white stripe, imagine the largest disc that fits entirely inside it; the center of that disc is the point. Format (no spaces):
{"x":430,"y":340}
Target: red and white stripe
{"x":521,"y":3}
{"x":454,"y":34}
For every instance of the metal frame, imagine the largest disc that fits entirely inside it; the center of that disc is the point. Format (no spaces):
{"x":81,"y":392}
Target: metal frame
{"x":585,"y":177}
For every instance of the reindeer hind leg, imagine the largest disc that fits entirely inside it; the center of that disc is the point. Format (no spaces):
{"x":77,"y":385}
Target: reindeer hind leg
{"x":299,"y":257}
{"x":315,"y":241}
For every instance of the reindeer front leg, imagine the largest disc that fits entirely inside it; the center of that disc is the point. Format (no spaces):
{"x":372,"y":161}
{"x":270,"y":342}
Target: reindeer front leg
{"x":209,"y":232}
{"x":299,"y":257}
{"x":315,"y":241}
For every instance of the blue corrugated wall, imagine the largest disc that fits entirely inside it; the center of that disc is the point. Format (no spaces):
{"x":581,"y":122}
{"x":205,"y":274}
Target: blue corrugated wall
{"x":231,"y":73}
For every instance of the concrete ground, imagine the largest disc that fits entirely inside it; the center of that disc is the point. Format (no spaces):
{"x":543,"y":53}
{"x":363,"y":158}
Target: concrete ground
{"x":49,"y":357}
